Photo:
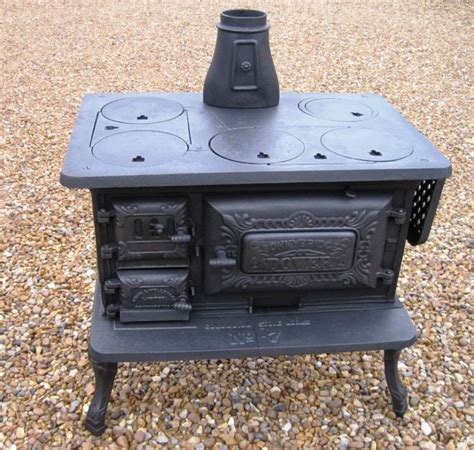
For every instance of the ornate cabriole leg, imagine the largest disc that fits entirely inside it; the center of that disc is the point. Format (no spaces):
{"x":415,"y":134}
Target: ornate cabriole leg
{"x":104,"y":381}
{"x":395,"y":385}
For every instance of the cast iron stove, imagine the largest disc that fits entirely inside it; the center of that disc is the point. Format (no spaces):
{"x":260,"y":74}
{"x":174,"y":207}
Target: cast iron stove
{"x":249,"y":224}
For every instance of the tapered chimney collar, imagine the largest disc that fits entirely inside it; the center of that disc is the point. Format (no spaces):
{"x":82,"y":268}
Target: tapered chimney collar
{"x":242,"y":73}
{"x":243,"y":21}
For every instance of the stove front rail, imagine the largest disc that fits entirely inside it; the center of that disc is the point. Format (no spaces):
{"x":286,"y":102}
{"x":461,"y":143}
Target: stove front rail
{"x":372,"y":327}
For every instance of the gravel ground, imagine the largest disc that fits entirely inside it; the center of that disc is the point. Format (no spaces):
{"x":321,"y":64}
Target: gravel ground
{"x":416,"y":54}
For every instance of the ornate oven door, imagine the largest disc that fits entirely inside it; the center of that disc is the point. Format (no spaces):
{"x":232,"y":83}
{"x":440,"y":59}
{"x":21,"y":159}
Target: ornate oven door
{"x":295,"y":242}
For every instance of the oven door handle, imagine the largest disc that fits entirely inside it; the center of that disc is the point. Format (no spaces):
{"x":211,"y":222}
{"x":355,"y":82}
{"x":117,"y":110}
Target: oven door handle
{"x":221,"y":260}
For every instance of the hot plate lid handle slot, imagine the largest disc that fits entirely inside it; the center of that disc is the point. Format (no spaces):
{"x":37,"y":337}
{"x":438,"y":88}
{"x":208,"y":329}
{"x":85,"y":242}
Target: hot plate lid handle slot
{"x":221,"y":260}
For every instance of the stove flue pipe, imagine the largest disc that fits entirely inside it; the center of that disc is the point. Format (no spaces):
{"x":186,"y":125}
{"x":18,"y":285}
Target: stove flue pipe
{"x":242,"y":74}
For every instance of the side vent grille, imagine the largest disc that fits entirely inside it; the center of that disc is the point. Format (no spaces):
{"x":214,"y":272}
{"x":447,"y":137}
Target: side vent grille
{"x":425,"y":202}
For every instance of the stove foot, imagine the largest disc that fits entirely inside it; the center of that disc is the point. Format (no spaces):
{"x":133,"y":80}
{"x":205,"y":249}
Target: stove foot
{"x":104,"y":381}
{"x":397,"y":390}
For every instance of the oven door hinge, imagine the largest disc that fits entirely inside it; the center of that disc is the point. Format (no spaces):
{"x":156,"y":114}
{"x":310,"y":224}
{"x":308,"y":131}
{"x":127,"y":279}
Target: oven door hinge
{"x":112,"y":310}
{"x":104,"y":216}
{"x":399,"y":215}
{"x":107,"y":251}
{"x":386,"y":275}
{"x":110,"y":286}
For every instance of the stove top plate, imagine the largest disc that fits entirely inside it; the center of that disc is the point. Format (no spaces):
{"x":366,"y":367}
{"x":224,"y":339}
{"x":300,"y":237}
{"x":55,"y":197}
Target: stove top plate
{"x":337,"y":109}
{"x":307,"y":138}
{"x":256,"y":145}
{"x":142,"y":110}
{"x":366,"y":144}
{"x":139,"y":148}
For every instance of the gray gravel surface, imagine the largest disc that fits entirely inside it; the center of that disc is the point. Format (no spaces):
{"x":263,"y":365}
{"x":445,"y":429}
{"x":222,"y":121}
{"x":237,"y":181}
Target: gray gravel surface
{"x":417,"y":54}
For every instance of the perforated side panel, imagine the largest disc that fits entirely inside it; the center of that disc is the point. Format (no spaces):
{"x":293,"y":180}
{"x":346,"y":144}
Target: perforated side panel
{"x":425,"y":202}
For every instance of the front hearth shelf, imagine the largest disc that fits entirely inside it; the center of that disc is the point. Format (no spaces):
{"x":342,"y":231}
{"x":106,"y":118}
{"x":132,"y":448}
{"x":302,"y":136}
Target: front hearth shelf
{"x":250,"y":335}
{"x":205,"y":336}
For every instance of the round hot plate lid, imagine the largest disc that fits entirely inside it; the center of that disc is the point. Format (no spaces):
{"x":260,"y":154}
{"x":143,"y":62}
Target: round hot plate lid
{"x":366,"y":144}
{"x":142,"y":110}
{"x":256,"y":145}
{"x":139,"y":149}
{"x":337,"y":109}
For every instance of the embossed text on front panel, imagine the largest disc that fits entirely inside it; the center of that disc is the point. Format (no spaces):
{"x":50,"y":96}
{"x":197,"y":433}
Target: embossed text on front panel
{"x":298,"y":251}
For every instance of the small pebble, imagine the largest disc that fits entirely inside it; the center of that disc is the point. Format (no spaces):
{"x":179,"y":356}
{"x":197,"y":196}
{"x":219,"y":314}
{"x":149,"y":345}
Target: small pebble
{"x":426,"y":428}
{"x":275,"y":392}
{"x":162,"y":438}
{"x":122,"y":441}
{"x":139,"y":436}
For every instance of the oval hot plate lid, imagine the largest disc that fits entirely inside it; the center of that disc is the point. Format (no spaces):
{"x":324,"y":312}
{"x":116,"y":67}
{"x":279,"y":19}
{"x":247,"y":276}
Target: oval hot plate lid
{"x":139,"y":148}
{"x":256,"y":145}
{"x":337,"y":109}
{"x":366,"y":144}
{"x":142,"y":110}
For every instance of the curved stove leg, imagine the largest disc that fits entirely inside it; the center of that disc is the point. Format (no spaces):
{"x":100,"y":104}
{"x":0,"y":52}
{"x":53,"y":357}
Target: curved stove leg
{"x":104,"y":381}
{"x":397,"y":390}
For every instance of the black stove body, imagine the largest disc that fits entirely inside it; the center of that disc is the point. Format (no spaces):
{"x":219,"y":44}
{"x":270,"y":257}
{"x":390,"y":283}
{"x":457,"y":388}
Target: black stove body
{"x":202,"y":208}
{"x":215,"y":215}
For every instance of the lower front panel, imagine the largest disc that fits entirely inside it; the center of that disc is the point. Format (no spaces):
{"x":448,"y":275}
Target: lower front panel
{"x":244,"y":335}
{"x":247,"y":253}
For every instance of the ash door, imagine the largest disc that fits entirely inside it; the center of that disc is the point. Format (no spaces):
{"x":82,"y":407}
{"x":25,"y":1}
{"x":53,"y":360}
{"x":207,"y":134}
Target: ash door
{"x":294,"y":242}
